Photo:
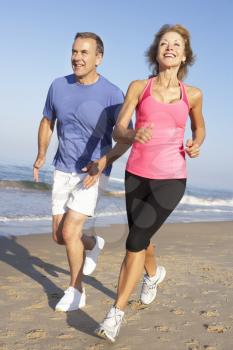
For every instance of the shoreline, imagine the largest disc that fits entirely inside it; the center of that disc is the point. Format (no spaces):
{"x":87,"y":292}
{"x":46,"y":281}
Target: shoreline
{"x":192,"y":310}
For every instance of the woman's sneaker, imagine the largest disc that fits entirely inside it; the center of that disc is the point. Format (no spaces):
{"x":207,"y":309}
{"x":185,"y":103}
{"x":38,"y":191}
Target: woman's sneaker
{"x":72,"y":300}
{"x":149,"y":285}
{"x":110,"y":326}
{"x":92,"y":256}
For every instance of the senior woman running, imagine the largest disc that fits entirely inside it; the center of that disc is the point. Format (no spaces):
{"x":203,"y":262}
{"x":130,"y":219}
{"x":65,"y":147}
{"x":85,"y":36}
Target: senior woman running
{"x":155,"y":177}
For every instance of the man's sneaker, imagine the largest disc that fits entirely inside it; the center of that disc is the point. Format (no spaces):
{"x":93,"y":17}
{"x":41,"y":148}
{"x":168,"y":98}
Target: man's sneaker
{"x":72,"y":300}
{"x":110,"y":326}
{"x":92,"y":256}
{"x":149,"y":285}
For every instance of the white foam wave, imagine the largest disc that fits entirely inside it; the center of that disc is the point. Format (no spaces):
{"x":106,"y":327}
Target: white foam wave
{"x":218,"y":202}
{"x":25,"y":218}
{"x":116,"y":179}
{"x":202,"y":210}
{"x":111,"y":213}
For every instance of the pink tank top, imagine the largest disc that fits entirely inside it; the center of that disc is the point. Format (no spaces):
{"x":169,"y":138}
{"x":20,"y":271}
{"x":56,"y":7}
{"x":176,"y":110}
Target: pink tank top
{"x":163,"y":157}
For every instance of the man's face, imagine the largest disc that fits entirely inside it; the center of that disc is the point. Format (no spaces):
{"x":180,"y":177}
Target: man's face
{"x":85,"y":57}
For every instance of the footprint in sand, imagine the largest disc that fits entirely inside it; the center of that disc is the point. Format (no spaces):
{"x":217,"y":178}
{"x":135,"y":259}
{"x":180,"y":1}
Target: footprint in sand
{"x":209,"y":313}
{"x":192,"y":344}
{"x":179,"y":312}
{"x":64,"y":336}
{"x":36,"y":334}
{"x":134,"y":317}
{"x":137,"y":305}
{"x":95,"y":347}
{"x":162,"y":328}
{"x":215,"y":328}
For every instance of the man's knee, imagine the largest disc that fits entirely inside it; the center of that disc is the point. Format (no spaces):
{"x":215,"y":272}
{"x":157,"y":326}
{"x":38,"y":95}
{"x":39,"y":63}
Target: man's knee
{"x":58,"y":239}
{"x":69,"y":235}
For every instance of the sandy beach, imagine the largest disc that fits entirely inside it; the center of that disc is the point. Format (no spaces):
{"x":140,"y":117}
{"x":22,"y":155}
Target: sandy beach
{"x":193,"y":309}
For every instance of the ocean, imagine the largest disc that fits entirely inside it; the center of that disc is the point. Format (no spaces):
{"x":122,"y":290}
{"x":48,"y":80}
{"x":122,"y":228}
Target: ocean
{"x":26,"y":206}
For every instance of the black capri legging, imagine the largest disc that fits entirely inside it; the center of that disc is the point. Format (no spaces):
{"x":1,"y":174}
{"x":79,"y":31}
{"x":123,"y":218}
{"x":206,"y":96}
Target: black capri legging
{"x":149,"y":202}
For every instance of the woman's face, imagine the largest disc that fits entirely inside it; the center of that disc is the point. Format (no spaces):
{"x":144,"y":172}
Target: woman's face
{"x":171,"y":50}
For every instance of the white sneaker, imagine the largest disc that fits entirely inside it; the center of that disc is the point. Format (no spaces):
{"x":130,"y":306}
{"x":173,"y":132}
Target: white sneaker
{"x":110,"y":326}
{"x":72,"y":300}
{"x":92,"y":256}
{"x":149,"y":285}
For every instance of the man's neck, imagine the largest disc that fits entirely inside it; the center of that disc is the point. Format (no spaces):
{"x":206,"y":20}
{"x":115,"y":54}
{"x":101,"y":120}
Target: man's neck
{"x":88,"y":79}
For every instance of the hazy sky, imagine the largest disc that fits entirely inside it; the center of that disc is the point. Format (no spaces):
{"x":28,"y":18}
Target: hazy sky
{"x":36,"y":39}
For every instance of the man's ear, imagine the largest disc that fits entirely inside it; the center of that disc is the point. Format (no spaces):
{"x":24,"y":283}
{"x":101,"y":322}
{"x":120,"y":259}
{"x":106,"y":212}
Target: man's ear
{"x":99,"y":58}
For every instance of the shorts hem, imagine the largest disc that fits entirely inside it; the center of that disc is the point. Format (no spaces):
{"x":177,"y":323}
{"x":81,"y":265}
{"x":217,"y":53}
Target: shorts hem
{"x":81,"y":211}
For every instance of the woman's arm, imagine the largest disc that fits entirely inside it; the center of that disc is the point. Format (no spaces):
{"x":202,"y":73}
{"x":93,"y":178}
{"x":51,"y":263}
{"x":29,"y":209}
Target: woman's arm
{"x":197,"y":122}
{"x":121,"y":132}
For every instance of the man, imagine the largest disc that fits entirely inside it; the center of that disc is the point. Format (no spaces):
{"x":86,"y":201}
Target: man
{"x":85,"y":106}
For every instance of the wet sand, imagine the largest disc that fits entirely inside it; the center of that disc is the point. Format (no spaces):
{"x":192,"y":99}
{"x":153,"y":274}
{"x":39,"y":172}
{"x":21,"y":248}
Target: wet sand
{"x":193,"y":309}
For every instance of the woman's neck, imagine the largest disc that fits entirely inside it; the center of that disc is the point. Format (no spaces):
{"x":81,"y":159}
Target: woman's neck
{"x":168,"y":78}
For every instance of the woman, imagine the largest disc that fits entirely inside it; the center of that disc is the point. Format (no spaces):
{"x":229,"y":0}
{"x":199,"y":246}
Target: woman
{"x":155,"y":177}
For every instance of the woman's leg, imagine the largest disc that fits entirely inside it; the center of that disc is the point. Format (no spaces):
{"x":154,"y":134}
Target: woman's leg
{"x":131,"y":271}
{"x":147,"y":215}
{"x":150,"y":261}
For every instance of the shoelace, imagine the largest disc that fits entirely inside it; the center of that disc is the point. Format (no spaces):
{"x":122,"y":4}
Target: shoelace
{"x":115,"y":316}
{"x":147,"y":287}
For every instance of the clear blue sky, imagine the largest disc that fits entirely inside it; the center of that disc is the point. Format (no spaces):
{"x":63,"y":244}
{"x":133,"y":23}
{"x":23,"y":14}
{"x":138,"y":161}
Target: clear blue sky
{"x":36,"y":39}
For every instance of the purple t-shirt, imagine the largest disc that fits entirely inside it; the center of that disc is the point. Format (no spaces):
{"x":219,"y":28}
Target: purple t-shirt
{"x":86,"y":115}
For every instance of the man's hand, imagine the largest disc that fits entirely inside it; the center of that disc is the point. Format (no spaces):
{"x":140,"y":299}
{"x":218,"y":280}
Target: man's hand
{"x":192,"y":149}
{"x":40,"y":161}
{"x":94,"y":170}
{"x":144,"y":134}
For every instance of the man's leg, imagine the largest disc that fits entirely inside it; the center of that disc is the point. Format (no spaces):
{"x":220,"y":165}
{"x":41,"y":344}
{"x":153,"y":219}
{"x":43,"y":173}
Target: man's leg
{"x":58,"y":222}
{"x":69,"y":232}
{"x":72,"y":237}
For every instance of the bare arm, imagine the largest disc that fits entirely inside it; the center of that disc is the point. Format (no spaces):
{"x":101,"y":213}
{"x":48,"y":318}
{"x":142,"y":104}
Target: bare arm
{"x":121,"y":132}
{"x":197,"y":123}
{"x":44,"y":136}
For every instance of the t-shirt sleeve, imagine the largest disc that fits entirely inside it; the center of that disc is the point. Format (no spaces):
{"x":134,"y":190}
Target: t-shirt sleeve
{"x":117,"y":102}
{"x":49,"y":110}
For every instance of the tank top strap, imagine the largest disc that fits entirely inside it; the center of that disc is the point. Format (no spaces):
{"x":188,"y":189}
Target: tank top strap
{"x":184,"y":94}
{"x":146,"y":92}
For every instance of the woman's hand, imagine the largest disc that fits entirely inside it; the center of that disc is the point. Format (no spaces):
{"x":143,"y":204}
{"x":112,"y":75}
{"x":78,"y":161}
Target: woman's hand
{"x":192,"y":149}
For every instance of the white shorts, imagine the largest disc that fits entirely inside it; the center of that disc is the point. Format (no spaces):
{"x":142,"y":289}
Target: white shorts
{"x":68,"y":192}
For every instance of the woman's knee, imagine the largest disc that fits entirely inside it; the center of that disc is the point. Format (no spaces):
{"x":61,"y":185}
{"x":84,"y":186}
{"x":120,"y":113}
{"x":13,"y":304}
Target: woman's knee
{"x":135,"y":245}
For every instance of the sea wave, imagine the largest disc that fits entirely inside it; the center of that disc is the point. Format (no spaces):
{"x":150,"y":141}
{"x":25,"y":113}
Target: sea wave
{"x":190,"y":198}
{"x":202,"y":201}
{"x":24,"y":218}
{"x":25,"y":185}
{"x":5,"y":219}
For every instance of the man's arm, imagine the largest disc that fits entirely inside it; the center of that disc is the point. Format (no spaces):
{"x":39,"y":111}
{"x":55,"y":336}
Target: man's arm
{"x":44,"y":136}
